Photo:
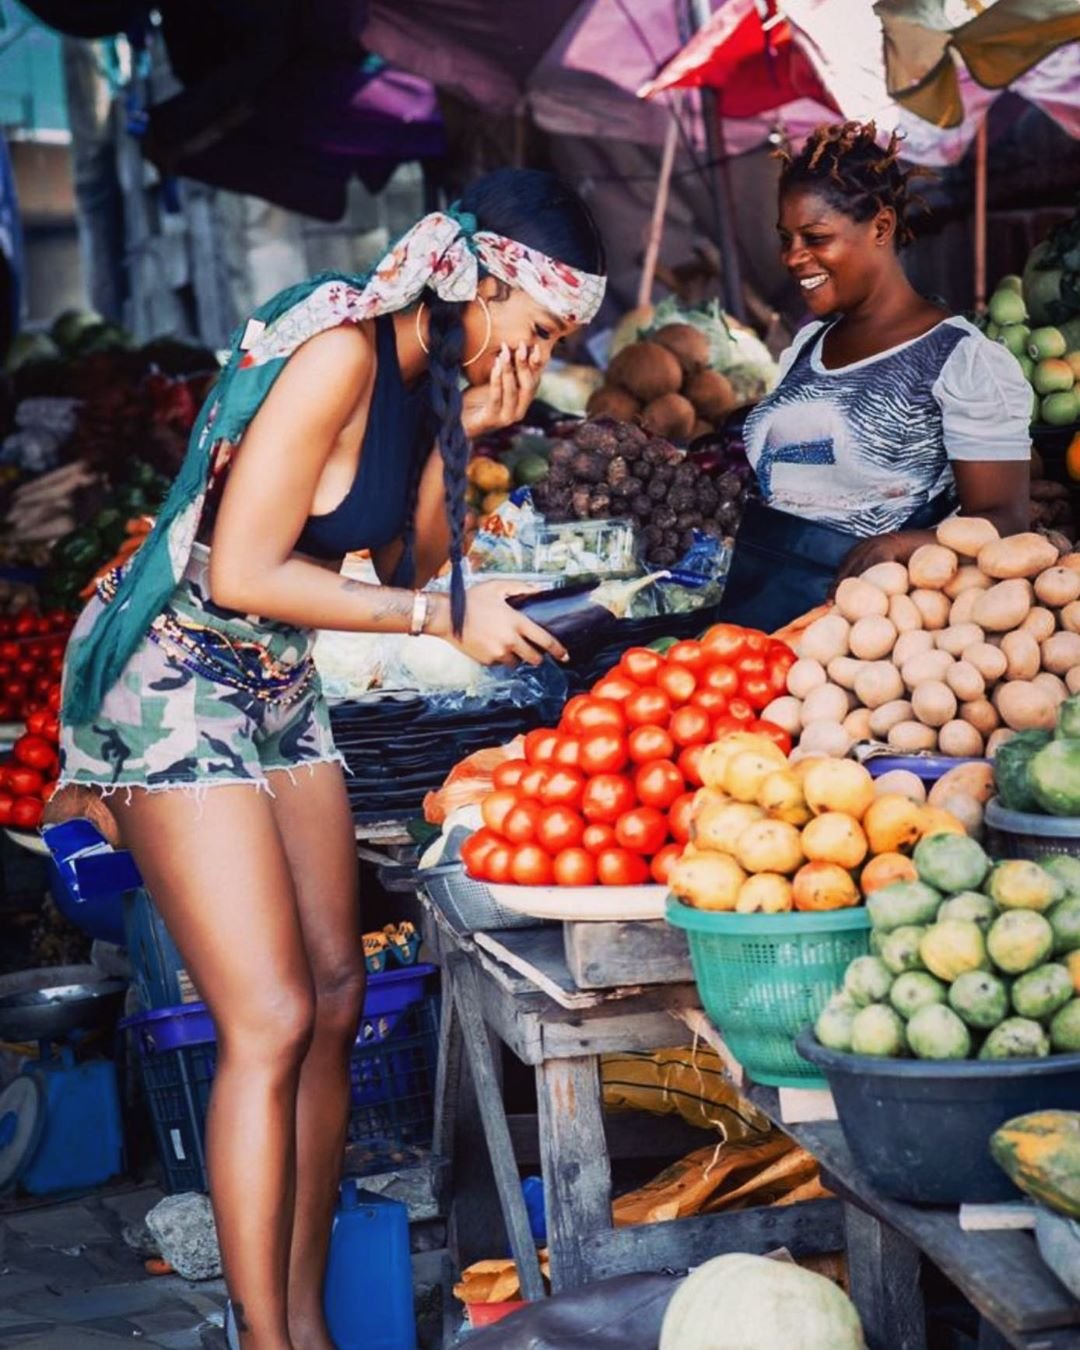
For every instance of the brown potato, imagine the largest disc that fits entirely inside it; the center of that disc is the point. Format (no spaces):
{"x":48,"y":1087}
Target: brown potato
{"x":1020,"y":555}
{"x":1058,"y":586}
{"x":965,"y":681}
{"x":1040,"y":623}
{"x":857,"y":599}
{"x":960,"y":739}
{"x":982,"y":715}
{"x":878,"y":683}
{"x":933,"y":703}
{"x":914,"y":643}
{"x":966,"y":535}
{"x":1053,"y":685}
{"x":1004,"y":606}
{"x":1061,"y":652}
{"x":908,"y":738}
{"x":968,"y":578}
{"x":872,"y":638}
{"x":932,"y":566}
{"x":957,"y":637}
{"x":963,"y":607}
{"x":1024,"y":706}
{"x":885,"y":717}
{"x":890,"y":577}
{"x":1021,"y":653}
{"x":904,"y":614}
{"x":933,"y":606}
{"x":990,"y":661}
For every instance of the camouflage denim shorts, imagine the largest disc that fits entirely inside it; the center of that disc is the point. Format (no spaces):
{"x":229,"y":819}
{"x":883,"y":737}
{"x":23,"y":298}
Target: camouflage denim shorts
{"x":209,"y":697}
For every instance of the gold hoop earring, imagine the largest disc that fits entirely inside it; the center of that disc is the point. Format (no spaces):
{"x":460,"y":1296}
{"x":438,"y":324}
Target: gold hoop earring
{"x":483,"y":346}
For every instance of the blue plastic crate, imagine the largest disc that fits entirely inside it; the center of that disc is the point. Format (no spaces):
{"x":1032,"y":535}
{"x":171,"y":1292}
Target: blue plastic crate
{"x":392,"y":1073}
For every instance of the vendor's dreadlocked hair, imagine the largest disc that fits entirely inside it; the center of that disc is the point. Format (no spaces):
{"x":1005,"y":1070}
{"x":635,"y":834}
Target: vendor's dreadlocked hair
{"x":538,"y":210}
{"x":844,"y":164}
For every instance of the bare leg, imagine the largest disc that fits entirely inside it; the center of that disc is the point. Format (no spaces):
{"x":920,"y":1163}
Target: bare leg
{"x":218,"y":873}
{"x":313,"y":817}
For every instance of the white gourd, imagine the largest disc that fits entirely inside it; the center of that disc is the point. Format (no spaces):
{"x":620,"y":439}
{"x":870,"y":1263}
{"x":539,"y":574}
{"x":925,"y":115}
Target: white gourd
{"x":743,"y":1302}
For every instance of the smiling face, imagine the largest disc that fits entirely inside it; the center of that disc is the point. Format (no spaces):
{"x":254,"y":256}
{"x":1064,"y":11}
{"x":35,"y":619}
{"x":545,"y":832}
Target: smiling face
{"x":836,"y":261}
{"x":515,"y":318}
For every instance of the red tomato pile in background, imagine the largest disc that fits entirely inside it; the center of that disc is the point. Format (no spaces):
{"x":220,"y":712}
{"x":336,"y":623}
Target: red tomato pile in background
{"x":604,"y":798}
{"x":31,"y":656}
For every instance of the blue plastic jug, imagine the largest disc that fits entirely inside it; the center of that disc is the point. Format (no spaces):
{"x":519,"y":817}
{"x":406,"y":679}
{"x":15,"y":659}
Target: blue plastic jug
{"x":82,"y":1144}
{"x":368,"y":1297}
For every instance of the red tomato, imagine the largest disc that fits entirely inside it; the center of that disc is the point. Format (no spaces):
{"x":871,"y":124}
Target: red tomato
{"x":724,"y":642}
{"x":690,"y":726}
{"x":25,"y":624}
{"x":567,"y":722}
{"x":531,"y":866}
{"x":741,"y":710}
{"x":475,"y":849}
{"x":645,"y":743}
{"x":606,"y":797}
{"x":567,"y":753}
{"x":751,"y":664}
{"x":540,"y":745}
{"x":26,"y":813}
{"x":665,"y":860}
{"x":689,"y":764}
{"x":560,"y":828}
{"x":33,"y":751}
{"x":777,"y":676}
{"x":496,"y":807}
{"x":35,"y":722}
{"x":497,"y":864}
{"x":711,"y":700}
{"x":574,"y":867}
{"x":640,"y":664}
{"x":679,"y":813}
{"x":10,"y":652}
{"x":648,"y":707}
{"x":765,"y":728}
{"x":599,"y":714}
{"x":24,"y":782}
{"x":7,"y":801}
{"x":659,"y":783}
{"x":757,"y":691}
{"x":7,"y":711}
{"x":755,"y":643}
{"x":533,"y":783}
{"x":49,"y":790}
{"x":723,"y":679}
{"x":615,"y":687}
{"x":510,"y":772}
{"x":724,"y":726}
{"x":642,"y":830}
{"x":26,"y":669}
{"x":688,"y":653}
{"x":51,"y":728}
{"x":522,"y":821}
{"x":15,"y":691}
{"x":677,"y":682}
{"x":598,"y":837}
{"x":604,"y":752}
{"x":564,"y":787}
{"x":620,"y":867}
{"x":53,"y":699}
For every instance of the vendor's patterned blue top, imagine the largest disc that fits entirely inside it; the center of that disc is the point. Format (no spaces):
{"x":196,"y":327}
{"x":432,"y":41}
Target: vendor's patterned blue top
{"x":865,"y":446}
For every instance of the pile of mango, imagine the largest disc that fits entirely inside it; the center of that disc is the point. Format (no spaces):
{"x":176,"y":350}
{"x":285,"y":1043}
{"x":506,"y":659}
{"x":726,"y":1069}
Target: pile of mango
{"x":969,"y":959}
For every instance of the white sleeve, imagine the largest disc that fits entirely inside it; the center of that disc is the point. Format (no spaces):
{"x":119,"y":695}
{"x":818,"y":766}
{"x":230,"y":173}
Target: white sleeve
{"x":807,"y":333}
{"x":985,"y":402}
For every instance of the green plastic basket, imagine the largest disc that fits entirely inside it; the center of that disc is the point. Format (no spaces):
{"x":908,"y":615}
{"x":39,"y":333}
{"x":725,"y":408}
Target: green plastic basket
{"x":763,"y":977}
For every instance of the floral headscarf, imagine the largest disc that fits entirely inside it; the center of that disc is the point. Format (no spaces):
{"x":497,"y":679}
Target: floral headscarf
{"x":444,"y":251}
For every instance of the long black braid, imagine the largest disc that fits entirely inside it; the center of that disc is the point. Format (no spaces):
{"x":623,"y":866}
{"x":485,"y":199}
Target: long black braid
{"x":446,"y":339}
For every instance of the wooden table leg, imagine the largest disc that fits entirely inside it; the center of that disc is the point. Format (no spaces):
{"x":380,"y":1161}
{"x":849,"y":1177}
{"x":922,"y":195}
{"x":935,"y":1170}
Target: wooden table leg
{"x":990,"y":1338}
{"x":575,"y":1163}
{"x":485,"y":1079}
{"x":883,"y":1269}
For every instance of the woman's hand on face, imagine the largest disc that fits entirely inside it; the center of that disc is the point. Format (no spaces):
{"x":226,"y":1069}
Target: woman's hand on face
{"x":505,"y":398}
{"x":497,"y":634}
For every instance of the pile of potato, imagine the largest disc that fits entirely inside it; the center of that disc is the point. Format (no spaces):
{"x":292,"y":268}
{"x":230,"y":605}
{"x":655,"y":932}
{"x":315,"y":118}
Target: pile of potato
{"x":977,"y":638}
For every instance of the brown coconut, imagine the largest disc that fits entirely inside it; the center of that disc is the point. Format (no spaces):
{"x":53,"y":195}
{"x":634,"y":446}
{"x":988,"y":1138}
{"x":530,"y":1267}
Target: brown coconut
{"x":76,"y":802}
{"x":611,"y":401}
{"x":646,"y":370}
{"x":701,"y":428}
{"x":711,"y":394}
{"x":670,"y":416}
{"x":690,"y":345}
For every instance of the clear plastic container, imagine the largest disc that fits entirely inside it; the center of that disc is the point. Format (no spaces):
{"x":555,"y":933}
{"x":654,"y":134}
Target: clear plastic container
{"x":586,"y":548}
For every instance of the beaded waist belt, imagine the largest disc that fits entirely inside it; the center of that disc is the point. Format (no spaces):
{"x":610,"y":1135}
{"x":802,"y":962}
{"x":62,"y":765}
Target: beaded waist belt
{"x":208,"y":650}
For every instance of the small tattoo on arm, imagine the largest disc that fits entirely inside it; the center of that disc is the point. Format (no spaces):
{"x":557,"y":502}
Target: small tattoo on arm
{"x":385,"y":605}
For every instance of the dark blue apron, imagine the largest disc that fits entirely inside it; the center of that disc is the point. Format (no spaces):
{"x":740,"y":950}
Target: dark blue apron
{"x":783,"y":565}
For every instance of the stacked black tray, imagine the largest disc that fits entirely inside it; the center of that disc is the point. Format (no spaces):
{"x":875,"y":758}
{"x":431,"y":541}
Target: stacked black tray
{"x":398,"y":747}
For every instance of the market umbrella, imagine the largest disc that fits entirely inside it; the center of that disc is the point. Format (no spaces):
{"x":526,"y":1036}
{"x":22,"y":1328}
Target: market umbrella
{"x":997,"y":40}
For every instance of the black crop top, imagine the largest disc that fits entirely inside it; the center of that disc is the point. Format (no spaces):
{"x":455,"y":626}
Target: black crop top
{"x":397,"y":439}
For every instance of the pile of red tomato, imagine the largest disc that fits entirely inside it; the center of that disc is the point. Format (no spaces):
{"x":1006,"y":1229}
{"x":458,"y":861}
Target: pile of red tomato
{"x":605,"y":798}
{"x":31,"y":656}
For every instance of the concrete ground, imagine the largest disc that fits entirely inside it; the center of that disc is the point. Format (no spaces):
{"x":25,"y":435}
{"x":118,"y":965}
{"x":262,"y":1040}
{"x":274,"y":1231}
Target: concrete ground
{"x":69,"y":1281}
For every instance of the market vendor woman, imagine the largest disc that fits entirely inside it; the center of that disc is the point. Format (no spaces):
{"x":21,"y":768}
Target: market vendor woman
{"x":191,"y":699}
{"x":889,"y":414}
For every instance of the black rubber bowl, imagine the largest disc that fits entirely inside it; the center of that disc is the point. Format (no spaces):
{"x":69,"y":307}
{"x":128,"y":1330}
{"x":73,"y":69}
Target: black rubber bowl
{"x":919,"y":1130}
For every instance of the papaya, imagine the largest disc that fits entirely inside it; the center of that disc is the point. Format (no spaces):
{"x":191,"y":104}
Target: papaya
{"x":1040,"y":1152}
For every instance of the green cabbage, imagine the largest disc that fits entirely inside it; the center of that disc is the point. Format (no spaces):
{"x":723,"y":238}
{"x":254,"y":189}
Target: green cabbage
{"x":1011,"y":762}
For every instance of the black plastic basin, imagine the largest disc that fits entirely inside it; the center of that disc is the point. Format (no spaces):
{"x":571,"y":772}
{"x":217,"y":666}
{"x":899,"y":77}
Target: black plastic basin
{"x":919,"y":1130}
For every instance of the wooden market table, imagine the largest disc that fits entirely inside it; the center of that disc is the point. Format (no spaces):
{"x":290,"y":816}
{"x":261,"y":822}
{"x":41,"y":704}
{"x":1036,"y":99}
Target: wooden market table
{"x":1019,"y":1301}
{"x":513,"y":988}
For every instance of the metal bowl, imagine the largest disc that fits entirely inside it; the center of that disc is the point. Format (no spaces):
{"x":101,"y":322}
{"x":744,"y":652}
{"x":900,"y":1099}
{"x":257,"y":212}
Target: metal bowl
{"x":55,"y":1000}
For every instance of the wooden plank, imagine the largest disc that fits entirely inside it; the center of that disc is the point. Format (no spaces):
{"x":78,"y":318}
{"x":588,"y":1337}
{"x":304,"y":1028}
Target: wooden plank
{"x":574,"y":1163}
{"x":610,"y":955}
{"x":631,"y":1134}
{"x":812,"y":1227}
{"x":629,"y":1030}
{"x":489,"y":1099}
{"x":1001,"y":1273}
{"x":883,"y":1273}
{"x":538,"y":956}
